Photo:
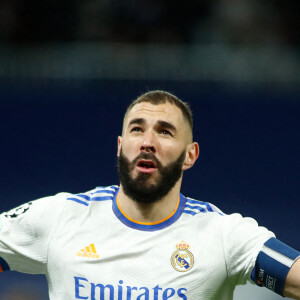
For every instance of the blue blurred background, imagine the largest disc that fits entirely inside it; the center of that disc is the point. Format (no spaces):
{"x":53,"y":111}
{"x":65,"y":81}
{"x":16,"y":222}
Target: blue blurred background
{"x":68,"y":70}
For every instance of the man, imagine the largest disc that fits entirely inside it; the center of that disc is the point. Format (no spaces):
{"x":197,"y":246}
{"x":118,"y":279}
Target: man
{"x":144,"y":239}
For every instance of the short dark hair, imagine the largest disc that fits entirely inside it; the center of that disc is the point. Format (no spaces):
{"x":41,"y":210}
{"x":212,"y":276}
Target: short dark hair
{"x":159,"y":97}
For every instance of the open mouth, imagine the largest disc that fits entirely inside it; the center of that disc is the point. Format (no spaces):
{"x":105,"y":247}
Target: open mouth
{"x":146,"y":166}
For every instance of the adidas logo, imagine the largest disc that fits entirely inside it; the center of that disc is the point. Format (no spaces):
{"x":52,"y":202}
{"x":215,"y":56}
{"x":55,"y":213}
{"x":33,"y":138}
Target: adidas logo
{"x":88,"y":251}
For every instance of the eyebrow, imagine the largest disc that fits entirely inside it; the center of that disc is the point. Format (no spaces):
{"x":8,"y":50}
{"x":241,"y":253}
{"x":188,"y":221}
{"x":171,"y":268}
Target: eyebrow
{"x":161,"y":123}
{"x":167,"y":125}
{"x":138,"y":121}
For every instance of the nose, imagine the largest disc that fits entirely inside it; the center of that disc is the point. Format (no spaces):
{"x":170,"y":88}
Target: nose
{"x":148,"y":144}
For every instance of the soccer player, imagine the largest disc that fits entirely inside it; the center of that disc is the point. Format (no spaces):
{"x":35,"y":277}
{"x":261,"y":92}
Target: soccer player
{"x":143,"y":239}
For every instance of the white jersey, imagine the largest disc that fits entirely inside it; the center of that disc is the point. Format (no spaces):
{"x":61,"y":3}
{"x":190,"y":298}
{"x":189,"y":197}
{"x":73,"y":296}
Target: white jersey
{"x":89,"y":249}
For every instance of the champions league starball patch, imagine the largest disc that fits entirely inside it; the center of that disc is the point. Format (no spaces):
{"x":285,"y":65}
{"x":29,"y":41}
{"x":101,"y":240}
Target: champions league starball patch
{"x":15,"y":212}
{"x":182,"y":259}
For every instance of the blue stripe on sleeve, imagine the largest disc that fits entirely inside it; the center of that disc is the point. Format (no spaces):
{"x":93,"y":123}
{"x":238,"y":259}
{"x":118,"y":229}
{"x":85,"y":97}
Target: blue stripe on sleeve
{"x":195,"y":207}
{"x":103,"y":198}
{"x":84,"y":196}
{"x":206,"y":204}
{"x":190,"y":212}
{"x":189,"y":200}
{"x":104,"y":191}
{"x":78,"y":201}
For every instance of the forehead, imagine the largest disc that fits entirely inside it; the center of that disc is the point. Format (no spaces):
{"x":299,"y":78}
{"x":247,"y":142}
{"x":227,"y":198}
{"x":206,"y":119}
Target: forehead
{"x":164,"y":112}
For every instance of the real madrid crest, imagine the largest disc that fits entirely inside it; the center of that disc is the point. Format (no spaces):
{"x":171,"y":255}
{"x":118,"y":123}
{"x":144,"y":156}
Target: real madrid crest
{"x":182,"y":259}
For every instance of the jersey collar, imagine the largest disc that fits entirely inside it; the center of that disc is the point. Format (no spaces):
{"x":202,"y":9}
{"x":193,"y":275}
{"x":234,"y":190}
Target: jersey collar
{"x":148,"y":226}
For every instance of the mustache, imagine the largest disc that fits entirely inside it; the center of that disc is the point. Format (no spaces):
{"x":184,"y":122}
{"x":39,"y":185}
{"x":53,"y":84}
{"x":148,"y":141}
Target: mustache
{"x":149,"y":156}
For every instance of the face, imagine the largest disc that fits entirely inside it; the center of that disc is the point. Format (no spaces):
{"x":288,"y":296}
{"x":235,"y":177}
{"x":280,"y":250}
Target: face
{"x":153,"y":151}
{"x":140,"y":187}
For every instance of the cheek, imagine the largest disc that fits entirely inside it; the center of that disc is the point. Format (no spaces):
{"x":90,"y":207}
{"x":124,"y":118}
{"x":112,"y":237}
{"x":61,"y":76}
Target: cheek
{"x":171,"y":153}
{"x":130,"y":149}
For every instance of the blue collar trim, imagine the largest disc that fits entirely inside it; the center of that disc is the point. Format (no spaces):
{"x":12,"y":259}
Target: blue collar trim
{"x":144,"y":227}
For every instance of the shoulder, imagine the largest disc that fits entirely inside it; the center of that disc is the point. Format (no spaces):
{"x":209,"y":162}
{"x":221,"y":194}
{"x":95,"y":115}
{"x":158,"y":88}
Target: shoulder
{"x":99,"y":194}
{"x":195,"y":207}
{"x":37,"y":207}
{"x":231,"y":224}
{"x":202,"y":216}
{"x":51,"y":206}
{"x":244,"y":227}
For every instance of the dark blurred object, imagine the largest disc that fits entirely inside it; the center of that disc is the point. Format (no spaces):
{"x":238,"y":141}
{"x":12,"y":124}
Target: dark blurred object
{"x":151,"y":21}
{"x":241,"y":22}
{"x":9,"y":19}
{"x":156,"y":21}
{"x":38,"y":21}
{"x":289,"y":12}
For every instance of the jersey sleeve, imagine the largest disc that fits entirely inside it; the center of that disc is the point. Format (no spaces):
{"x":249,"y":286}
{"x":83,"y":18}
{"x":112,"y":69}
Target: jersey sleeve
{"x":25,"y":233}
{"x":242,"y":239}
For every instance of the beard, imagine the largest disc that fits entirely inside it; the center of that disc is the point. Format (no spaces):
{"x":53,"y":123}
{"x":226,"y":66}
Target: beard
{"x":139,"y":188}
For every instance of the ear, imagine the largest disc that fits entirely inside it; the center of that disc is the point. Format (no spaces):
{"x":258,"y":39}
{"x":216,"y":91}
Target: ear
{"x":192,"y":153}
{"x":119,"y":145}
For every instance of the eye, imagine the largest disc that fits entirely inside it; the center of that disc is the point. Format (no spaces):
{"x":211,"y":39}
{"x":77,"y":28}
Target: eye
{"x":136,"y":129}
{"x":166,"y":132}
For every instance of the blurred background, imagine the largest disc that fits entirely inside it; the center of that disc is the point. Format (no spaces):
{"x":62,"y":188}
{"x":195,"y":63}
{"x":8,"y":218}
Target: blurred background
{"x":69,"y":68}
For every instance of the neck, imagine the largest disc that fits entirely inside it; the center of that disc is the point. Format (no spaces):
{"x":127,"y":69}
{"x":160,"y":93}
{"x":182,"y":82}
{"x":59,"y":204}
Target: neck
{"x":150,"y":212}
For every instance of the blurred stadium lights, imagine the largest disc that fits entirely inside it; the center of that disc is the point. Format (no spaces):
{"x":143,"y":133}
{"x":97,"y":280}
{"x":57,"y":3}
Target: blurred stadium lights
{"x":193,"y":62}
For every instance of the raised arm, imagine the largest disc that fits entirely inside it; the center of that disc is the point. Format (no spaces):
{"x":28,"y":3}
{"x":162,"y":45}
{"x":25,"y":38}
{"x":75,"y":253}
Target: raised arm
{"x":292,"y":284}
{"x":277,"y":268}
